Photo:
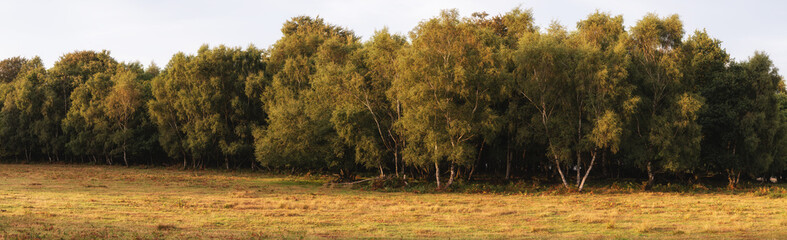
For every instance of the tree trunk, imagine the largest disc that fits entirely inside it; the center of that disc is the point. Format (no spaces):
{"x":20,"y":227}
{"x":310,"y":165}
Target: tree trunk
{"x":437,"y":174}
{"x":733,"y":178}
{"x":478,"y":159}
{"x":604,"y":163}
{"x":524,"y":154}
{"x":396,"y":161}
{"x":470,"y":175}
{"x":730,"y":180}
{"x":451,"y":177}
{"x":587,"y":173}
{"x":382,"y":174}
{"x":508,"y":162}
{"x":579,"y":168}
{"x":560,"y":171}
{"x":124,"y":154}
{"x":124,"y":158}
{"x":651,"y":176}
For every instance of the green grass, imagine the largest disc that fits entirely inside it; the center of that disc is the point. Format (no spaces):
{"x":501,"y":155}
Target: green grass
{"x":99,"y":202}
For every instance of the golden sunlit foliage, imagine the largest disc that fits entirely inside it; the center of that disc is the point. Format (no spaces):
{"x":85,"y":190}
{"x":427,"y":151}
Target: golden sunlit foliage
{"x":457,"y":97}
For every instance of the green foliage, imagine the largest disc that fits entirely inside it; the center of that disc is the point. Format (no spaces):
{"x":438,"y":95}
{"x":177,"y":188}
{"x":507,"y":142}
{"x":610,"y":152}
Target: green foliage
{"x":606,"y":90}
{"x":749,"y":130}
{"x":450,"y":78}
{"x":364,"y":114}
{"x":299,"y":132}
{"x":130,"y":128}
{"x":539,"y":78}
{"x":85,"y":122}
{"x":10,"y":68}
{"x":20,"y":115}
{"x":575,"y":83}
{"x":86,"y":73}
{"x":455,"y":95}
{"x":201,"y":107}
{"x":667,"y":135}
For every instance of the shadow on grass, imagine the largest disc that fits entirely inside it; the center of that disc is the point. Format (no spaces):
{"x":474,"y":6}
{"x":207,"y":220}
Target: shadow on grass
{"x":625,"y":186}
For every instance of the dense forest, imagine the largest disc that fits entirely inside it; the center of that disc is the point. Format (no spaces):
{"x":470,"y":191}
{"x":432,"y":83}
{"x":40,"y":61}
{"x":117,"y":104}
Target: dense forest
{"x":494,"y":96}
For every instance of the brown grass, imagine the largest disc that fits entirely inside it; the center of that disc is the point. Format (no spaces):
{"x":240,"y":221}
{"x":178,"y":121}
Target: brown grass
{"x":100,"y":202}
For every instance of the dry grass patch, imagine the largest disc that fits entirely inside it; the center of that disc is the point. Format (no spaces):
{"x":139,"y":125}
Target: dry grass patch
{"x":166,"y":227}
{"x":78,"y":202}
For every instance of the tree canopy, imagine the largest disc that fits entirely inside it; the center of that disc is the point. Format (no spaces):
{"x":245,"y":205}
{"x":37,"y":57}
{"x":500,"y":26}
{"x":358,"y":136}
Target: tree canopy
{"x":494,"y":95}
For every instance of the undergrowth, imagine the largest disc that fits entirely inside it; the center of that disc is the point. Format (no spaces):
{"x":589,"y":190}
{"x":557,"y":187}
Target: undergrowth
{"x":623,"y":186}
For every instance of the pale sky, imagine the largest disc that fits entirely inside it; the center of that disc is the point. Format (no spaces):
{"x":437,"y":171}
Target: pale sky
{"x":148,"y":30}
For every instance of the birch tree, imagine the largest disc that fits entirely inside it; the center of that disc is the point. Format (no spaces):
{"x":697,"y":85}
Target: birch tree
{"x":667,"y":134}
{"x":447,"y":86}
{"x":298,"y":131}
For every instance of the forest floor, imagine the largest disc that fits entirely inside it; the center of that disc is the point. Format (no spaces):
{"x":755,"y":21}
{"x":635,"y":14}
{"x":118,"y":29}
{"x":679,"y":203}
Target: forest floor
{"x":106,"y":202}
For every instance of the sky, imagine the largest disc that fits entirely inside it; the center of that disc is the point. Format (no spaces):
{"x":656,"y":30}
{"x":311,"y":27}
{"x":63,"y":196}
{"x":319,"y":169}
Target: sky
{"x":152,"y":31}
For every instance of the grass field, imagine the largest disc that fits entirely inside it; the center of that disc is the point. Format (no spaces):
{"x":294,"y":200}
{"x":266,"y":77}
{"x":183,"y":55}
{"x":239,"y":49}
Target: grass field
{"x":84,"y":202}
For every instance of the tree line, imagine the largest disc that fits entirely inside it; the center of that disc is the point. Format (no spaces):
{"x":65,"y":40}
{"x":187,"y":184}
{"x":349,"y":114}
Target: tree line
{"x":456,"y":96}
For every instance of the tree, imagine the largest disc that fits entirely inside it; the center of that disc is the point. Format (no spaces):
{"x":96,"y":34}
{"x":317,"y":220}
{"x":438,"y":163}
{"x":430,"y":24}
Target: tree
{"x":502,"y":34}
{"x":163,"y":109}
{"x":299,"y":132}
{"x":364,"y":113}
{"x":603,"y":97}
{"x":540,"y":80}
{"x":762,"y":122}
{"x":201,"y":108}
{"x":10,"y":68}
{"x":21,"y":102}
{"x":86,"y":121}
{"x":667,"y":134}
{"x":489,"y":92}
{"x":704,"y":63}
{"x":743,"y":122}
{"x":107,"y":115}
{"x":779,"y":165}
{"x":447,"y":86}
{"x":64,"y":128}
{"x":124,"y":109}
{"x":574,"y":81}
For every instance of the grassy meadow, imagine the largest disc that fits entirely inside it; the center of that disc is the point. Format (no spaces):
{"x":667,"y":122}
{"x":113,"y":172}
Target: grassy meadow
{"x":99,"y":202}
